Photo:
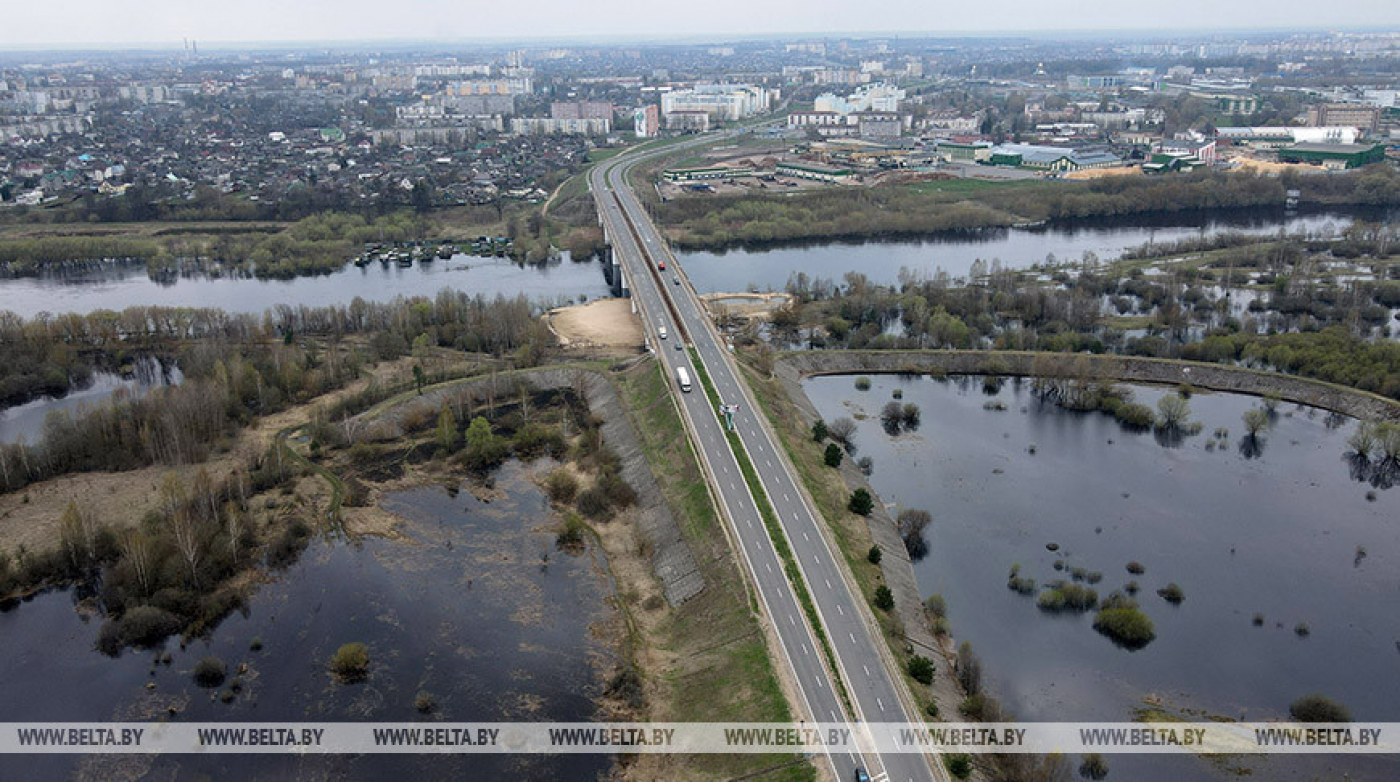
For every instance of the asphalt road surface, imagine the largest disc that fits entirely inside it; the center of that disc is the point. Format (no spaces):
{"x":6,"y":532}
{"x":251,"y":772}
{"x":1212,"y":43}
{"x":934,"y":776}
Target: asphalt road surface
{"x":666,"y":299}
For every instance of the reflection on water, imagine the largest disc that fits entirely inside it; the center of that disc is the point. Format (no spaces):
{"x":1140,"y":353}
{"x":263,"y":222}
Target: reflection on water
{"x":769,"y":269}
{"x":27,"y":420}
{"x":116,"y":287}
{"x":467,"y":610}
{"x":1274,"y":530}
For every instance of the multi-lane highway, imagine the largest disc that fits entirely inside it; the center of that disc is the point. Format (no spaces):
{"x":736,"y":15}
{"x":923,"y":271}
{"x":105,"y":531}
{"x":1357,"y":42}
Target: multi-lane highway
{"x":666,"y":299}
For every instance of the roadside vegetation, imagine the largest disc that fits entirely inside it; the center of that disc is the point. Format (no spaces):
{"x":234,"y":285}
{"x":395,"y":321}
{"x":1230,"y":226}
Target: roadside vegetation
{"x":722,"y":667}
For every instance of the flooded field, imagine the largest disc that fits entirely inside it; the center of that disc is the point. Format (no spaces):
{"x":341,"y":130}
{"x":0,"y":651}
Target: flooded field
{"x":475,"y":607}
{"x":1287,"y":551}
{"x":27,"y":420}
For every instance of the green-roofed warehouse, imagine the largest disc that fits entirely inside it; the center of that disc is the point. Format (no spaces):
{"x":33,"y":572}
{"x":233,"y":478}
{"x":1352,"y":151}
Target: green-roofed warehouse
{"x":1333,"y":155}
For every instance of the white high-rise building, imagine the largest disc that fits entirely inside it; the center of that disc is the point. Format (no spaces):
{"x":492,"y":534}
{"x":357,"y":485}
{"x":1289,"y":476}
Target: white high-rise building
{"x":719,"y":101}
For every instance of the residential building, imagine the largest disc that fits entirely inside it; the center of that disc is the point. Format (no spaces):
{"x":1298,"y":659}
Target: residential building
{"x":879,"y":125}
{"x":535,"y":126}
{"x":646,"y":121}
{"x":698,"y":121}
{"x":583,"y":109}
{"x":722,"y":102}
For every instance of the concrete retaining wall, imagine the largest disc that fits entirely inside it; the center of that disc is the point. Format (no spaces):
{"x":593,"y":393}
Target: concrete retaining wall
{"x":1130,"y":369}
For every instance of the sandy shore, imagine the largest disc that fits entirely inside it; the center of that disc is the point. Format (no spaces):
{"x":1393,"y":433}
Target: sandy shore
{"x":601,"y":323}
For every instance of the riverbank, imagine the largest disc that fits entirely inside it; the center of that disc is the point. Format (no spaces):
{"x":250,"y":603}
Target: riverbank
{"x":609,"y":324}
{"x":904,"y":212}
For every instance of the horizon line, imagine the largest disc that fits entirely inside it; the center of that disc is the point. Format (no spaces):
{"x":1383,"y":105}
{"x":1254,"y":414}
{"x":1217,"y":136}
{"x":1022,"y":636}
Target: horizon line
{"x":659,"y":38}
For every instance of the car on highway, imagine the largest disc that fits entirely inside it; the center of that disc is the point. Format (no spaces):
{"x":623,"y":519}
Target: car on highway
{"x":676,"y":280}
{"x":661,"y":331}
{"x":861,"y":776}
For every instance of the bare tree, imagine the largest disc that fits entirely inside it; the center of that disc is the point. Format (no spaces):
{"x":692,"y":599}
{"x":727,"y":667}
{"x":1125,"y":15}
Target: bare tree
{"x":138,"y":551}
{"x":184,"y":529}
{"x":841,"y":430}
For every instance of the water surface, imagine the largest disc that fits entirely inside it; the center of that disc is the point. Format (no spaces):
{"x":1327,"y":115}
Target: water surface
{"x":466,"y":609}
{"x":1016,"y":248}
{"x":119,"y":286}
{"x":1277,"y":532}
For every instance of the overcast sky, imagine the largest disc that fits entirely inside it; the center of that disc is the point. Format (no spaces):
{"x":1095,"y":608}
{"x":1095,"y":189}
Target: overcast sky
{"x":37,"y":23}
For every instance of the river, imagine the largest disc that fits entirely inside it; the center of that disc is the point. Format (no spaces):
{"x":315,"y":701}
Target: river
{"x":1288,"y":532}
{"x":116,"y":287}
{"x":466,"y":609}
{"x":1017,"y":248}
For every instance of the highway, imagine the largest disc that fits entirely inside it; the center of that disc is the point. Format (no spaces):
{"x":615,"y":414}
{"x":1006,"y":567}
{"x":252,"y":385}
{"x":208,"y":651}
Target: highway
{"x":665,"y":298}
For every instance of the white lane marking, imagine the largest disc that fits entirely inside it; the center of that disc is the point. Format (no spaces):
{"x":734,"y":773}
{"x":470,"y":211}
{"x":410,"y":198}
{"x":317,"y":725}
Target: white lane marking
{"x":804,"y":536}
{"x":840,"y":610}
{"x":770,"y":464}
{"x":792,"y":621}
{"x":786,"y":498}
{"x":769,"y":566}
{"x":828,"y":584}
{"x":853,"y":637}
{"x":819,"y":683}
{"x":881,"y":704}
{"x":815,"y":560}
{"x":749,"y":521}
{"x":866,"y":669}
{"x":805,"y":650}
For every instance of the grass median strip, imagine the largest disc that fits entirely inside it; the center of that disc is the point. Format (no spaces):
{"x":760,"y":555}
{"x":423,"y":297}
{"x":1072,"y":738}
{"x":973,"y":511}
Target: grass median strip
{"x":775,"y":534}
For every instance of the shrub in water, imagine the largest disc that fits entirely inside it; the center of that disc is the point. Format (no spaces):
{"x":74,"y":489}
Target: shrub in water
{"x":1172,"y":594}
{"x":424,"y":701}
{"x":1318,"y":708}
{"x":1128,"y":627}
{"x":1093,"y":767}
{"x":210,"y":672}
{"x":350,"y":662}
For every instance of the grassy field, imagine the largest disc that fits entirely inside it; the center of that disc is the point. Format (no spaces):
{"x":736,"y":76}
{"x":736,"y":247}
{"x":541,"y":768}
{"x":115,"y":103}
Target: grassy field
{"x":720,"y":667}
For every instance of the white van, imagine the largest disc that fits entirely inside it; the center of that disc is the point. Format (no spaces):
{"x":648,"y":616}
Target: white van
{"x":661,"y":330}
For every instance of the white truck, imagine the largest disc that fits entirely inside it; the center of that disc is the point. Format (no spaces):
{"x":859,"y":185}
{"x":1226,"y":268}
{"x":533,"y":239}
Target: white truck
{"x":683,"y":377}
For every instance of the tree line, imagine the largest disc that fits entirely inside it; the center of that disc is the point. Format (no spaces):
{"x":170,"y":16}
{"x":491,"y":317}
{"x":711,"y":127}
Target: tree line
{"x":236,"y":367}
{"x":902,"y":212}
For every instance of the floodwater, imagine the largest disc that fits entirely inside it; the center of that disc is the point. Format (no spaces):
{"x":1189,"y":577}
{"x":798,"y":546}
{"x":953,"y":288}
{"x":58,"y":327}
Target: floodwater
{"x":27,"y":420}
{"x":1017,"y":248}
{"x":1285,"y":530}
{"x":116,"y":287}
{"x":467,"y":609}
